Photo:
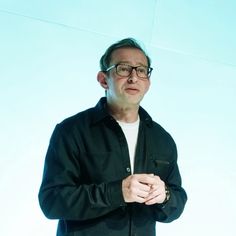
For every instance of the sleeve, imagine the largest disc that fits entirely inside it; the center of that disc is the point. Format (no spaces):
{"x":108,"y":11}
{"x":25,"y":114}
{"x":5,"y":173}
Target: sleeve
{"x":173,"y":208}
{"x":63,"y":195}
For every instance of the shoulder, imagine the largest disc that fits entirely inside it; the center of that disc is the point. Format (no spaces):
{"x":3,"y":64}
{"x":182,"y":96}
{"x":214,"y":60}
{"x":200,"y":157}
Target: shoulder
{"x":87,"y":117}
{"x":154,"y":128}
{"x":163,"y":142}
{"x":159,"y":131}
{"x":158,"y":137}
{"x":82,"y":119}
{"x":68,"y":131}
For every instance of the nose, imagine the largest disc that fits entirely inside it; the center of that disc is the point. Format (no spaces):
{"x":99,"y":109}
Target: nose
{"x":133,"y":78}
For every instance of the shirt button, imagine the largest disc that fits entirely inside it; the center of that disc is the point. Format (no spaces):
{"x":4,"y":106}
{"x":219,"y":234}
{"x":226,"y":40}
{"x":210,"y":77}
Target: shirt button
{"x":128,"y":169}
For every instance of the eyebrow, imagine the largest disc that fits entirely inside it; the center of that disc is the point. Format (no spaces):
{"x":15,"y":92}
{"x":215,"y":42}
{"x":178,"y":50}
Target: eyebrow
{"x":128,"y":63}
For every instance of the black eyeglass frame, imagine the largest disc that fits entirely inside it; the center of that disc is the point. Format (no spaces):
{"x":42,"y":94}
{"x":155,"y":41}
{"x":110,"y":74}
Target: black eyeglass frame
{"x":149,"y":70}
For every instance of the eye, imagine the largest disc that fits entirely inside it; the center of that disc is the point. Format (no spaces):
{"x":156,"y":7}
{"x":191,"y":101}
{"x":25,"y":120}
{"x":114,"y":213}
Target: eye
{"x":142,"y":70}
{"x":124,"y":68}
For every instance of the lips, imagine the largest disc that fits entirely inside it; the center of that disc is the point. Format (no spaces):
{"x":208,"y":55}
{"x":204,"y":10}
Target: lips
{"x":132,"y":90}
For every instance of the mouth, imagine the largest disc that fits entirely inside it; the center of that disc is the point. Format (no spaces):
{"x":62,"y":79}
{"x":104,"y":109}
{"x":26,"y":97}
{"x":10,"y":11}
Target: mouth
{"x":132,"y":90}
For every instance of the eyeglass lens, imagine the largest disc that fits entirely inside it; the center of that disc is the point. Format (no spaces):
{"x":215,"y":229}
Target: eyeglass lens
{"x":126,"y":70}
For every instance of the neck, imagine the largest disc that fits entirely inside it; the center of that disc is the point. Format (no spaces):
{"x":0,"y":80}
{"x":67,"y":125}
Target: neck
{"x":124,"y":114}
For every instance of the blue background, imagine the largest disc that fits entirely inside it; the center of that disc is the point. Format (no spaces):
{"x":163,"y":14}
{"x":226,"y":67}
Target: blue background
{"x":49,"y":54}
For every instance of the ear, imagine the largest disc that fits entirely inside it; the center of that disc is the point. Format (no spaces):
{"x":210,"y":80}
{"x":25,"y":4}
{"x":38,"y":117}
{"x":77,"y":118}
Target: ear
{"x":102,"y":79}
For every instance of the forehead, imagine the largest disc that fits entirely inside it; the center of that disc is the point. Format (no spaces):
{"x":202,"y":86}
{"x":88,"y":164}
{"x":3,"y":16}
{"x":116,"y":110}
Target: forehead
{"x":131,"y":55}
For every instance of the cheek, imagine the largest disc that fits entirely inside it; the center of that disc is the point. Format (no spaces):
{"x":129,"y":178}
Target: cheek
{"x":146,"y":87}
{"x":114,"y":87}
{"x":117,"y":84}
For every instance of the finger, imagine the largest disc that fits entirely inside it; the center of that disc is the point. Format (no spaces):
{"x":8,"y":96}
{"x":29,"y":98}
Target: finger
{"x":140,"y":189}
{"x":157,"y":191}
{"x":141,"y":193}
{"x":158,"y":184}
{"x":135,"y":183}
{"x":157,"y":199}
{"x":134,"y":190}
{"x":139,"y":199}
{"x":155,"y":194}
{"x":137,"y":195}
{"x":147,"y":179}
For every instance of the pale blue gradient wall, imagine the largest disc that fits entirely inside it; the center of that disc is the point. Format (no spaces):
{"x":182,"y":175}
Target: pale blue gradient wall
{"x":49,"y":53}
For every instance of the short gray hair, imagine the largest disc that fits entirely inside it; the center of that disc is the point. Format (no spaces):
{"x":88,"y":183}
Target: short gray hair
{"x":124,"y":43}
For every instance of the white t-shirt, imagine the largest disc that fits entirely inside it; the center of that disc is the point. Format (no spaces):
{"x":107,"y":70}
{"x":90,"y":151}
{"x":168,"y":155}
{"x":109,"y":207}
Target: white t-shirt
{"x":131,"y":134}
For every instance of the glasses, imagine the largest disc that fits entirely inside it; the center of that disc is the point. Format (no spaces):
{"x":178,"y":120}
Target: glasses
{"x":124,"y":70}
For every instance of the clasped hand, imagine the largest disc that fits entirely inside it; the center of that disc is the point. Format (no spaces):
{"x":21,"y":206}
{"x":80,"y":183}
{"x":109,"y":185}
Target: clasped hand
{"x":143,"y":188}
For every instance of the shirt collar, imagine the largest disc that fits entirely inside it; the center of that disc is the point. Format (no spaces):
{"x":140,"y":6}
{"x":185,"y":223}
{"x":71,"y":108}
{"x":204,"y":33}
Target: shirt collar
{"x":101,"y":113}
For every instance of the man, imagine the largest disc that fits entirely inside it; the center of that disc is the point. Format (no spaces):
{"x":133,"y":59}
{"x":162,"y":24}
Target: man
{"x":111,"y":170}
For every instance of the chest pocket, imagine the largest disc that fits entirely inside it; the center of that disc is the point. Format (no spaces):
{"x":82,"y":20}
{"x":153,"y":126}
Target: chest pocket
{"x":159,"y":167}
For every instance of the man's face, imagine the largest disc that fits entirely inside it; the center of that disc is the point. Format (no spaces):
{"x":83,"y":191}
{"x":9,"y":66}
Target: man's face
{"x":126,"y":91}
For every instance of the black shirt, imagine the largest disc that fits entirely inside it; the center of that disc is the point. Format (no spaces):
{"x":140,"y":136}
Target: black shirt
{"x":86,"y":161}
